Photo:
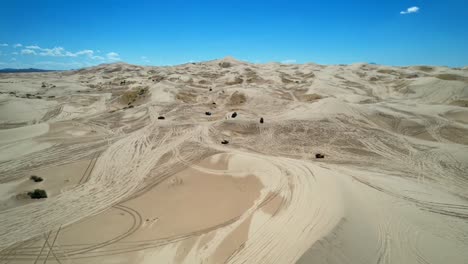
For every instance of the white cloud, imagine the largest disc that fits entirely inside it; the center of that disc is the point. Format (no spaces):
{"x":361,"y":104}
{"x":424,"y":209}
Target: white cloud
{"x":413,"y":9}
{"x":113,"y":56}
{"x":289,"y":61}
{"x":3,"y":45}
{"x":61,"y":52}
{"x":89,"y":53}
{"x":54,"y":52}
{"x":57,"y":55}
{"x":33,"y":47}
{"x":145,"y":59}
{"x":28,"y":52}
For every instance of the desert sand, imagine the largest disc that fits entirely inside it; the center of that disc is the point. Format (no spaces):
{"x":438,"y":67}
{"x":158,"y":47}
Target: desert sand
{"x":126,"y":186}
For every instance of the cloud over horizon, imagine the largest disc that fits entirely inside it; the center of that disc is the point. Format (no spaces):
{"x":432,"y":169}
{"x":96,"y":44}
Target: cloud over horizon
{"x":28,"y":52}
{"x":59,"y":52}
{"x":26,"y":56}
{"x":113,"y":56}
{"x":413,"y":9}
{"x":288,"y":61}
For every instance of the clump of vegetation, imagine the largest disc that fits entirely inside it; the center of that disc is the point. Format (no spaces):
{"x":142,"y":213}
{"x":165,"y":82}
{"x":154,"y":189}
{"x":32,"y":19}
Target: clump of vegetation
{"x":36,"y":178}
{"x":319,"y":156}
{"x":310,"y":97}
{"x":129,"y":97}
{"x":425,"y":68}
{"x":225,"y":64}
{"x":388,"y":71}
{"x":237,"y":98}
{"x":449,"y":77}
{"x":186,"y":96}
{"x":142,"y":91}
{"x":38,"y":194}
{"x":237,"y":80}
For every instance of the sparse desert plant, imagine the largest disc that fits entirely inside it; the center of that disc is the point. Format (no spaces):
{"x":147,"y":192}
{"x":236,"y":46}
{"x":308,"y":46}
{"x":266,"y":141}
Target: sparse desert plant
{"x":36,"y":178}
{"x":37,"y":194}
{"x":319,"y":156}
{"x":129,"y":96}
{"x":310,"y":97}
{"x":387,"y":71}
{"x":186,"y":96}
{"x":142,"y":91}
{"x":237,"y":80}
{"x":425,"y":68}
{"x":449,"y":77}
{"x":225,"y":64}
{"x":237,"y":98}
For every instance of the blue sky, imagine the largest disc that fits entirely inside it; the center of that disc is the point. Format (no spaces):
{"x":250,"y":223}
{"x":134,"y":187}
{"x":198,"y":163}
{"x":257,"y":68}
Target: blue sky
{"x":72,"y":34}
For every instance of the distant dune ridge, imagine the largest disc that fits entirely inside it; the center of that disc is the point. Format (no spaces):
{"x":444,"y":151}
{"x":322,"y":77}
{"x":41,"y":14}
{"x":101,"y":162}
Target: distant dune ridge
{"x":9,"y":70}
{"x":137,"y":171}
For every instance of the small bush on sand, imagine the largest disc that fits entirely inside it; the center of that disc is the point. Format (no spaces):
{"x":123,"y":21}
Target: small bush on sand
{"x":450,"y":77}
{"x":37,"y":194}
{"x":36,"y":178}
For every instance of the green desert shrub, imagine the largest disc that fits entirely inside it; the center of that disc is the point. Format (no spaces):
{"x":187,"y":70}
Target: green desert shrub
{"x":38,"y":194}
{"x":36,"y":178}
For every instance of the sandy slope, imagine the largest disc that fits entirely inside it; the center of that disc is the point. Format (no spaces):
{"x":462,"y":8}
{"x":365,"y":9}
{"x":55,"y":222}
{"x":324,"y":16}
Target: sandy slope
{"x":127,"y":187}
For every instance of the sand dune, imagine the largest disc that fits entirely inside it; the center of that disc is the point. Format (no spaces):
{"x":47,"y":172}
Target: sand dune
{"x":126,"y":186}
